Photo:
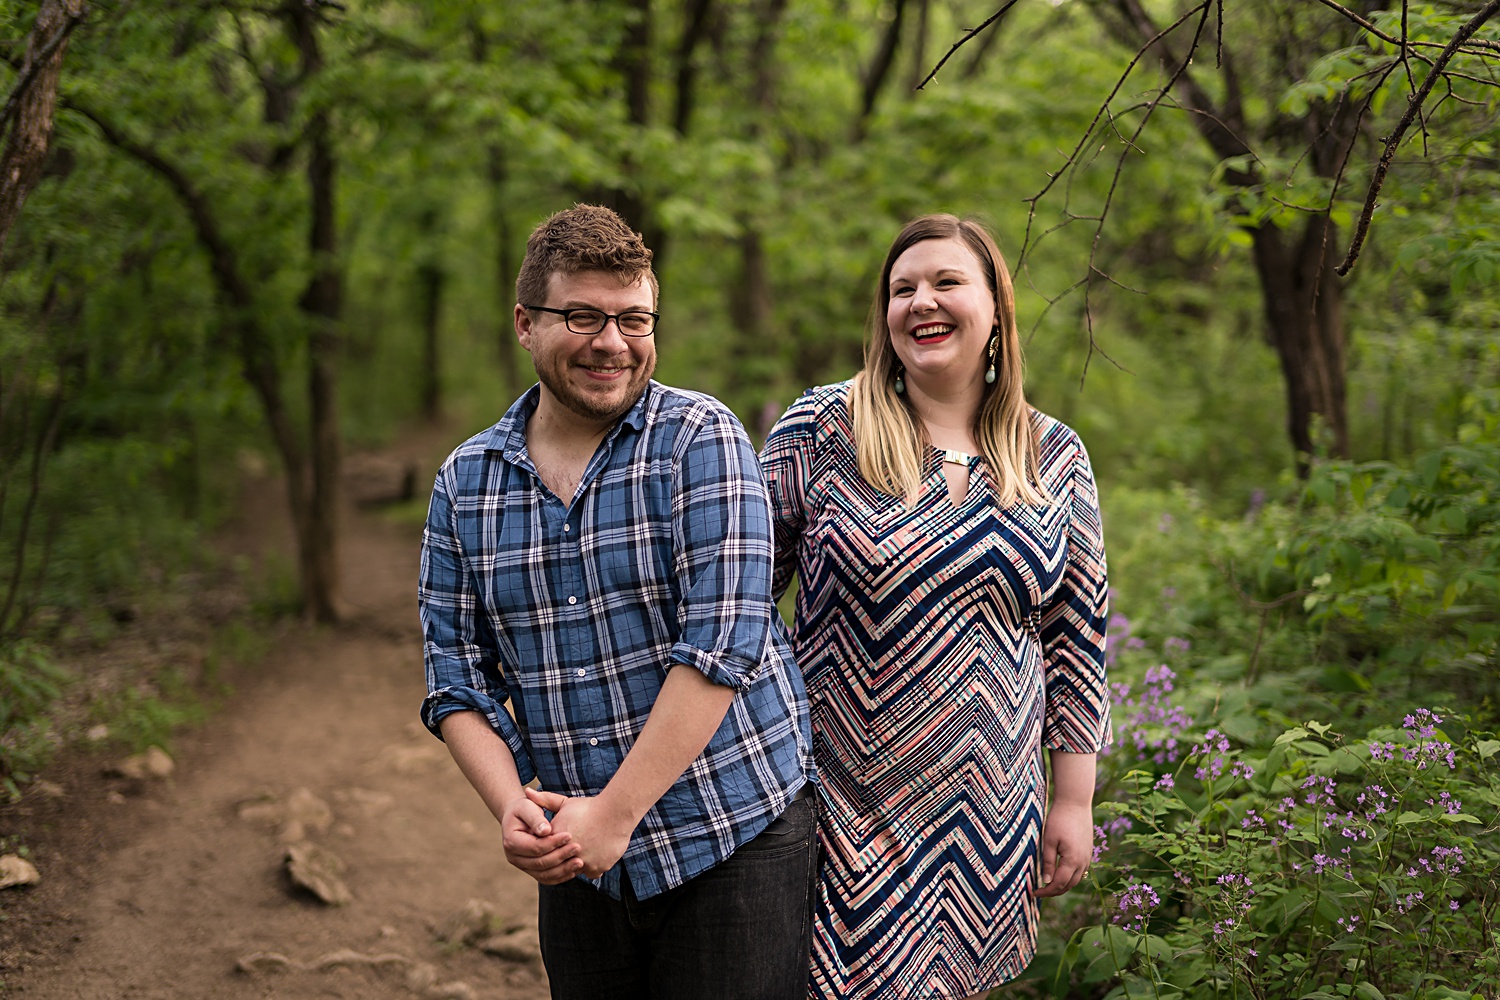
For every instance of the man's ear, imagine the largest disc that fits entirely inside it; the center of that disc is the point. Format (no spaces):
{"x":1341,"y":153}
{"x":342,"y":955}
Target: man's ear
{"x":523,"y":326}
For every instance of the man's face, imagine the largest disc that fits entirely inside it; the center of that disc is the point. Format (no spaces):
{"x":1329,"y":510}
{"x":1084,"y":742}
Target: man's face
{"x":600,"y":376}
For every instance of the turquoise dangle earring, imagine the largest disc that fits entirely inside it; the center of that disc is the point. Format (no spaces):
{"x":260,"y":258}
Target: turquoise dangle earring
{"x":900,"y":382}
{"x":989,"y":375}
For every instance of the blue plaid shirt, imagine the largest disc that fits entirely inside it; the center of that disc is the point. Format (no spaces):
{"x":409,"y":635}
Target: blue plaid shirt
{"x":575,"y":613}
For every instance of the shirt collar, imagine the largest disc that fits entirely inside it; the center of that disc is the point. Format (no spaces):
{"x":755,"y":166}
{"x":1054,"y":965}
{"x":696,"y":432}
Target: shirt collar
{"x":509,"y":436}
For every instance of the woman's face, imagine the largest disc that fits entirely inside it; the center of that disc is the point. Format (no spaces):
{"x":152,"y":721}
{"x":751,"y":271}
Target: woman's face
{"x":941,"y":313}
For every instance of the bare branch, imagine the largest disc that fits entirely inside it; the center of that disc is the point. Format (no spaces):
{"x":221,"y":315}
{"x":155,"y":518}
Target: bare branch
{"x":968,"y":37}
{"x":1414,"y":108}
{"x":1478,"y":46}
{"x":1071,"y":160}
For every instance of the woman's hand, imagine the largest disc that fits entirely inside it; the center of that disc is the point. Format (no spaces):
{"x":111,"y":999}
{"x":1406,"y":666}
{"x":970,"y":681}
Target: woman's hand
{"x":1068,"y":830}
{"x":1067,"y":847}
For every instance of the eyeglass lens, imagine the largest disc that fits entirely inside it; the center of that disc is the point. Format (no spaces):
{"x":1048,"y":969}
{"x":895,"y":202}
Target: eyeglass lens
{"x":632,"y":324}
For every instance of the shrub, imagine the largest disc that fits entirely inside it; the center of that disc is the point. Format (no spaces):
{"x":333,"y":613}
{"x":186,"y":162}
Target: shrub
{"x":29,"y":683}
{"x":1320,"y":868}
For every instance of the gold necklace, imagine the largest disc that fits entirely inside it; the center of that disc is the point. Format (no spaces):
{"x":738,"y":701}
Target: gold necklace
{"x":956,"y":457}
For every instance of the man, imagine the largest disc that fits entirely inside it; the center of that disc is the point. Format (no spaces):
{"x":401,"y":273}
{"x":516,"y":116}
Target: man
{"x":602,"y":558}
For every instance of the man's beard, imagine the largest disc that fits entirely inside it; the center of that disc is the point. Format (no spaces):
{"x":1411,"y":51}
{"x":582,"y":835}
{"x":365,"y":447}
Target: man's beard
{"x":591,"y":407}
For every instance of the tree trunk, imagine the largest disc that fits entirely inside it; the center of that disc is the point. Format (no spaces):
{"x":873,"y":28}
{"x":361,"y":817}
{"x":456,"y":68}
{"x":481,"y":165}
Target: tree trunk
{"x":257,"y":357}
{"x":1300,"y":293}
{"x":694,"y":22}
{"x":323,"y":303}
{"x":1305,"y":325}
{"x":505,"y":277}
{"x":880,"y":68}
{"x":751,"y":300}
{"x":918,"y":68}
{"x":430,"y":281}
{"x":750,"y":308}
{"x":633,"y":62}
{"x":32,"y":105}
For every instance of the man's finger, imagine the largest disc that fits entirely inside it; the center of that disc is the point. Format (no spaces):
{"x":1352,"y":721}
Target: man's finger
{"x":551,"y":868}
{"x":530,"y":816}
{"x":547,"y":800}
{"x":540,"y":862}
{"x":559,"y":873}
{"x":525,"y":846}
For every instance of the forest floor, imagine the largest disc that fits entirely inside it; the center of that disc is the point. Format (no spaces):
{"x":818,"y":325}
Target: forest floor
{"x":178,"y":887}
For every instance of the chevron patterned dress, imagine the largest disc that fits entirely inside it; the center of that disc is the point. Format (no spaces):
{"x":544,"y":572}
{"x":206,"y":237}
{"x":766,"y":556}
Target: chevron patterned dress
{"x":944,"y":645}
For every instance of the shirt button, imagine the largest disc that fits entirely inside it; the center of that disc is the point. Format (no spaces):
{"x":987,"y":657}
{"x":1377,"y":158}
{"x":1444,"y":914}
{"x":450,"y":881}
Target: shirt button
{"x":572,"y":600}
{"x":580,"y":671}
{"x":567,"y":528}
{"x":593,"y":741}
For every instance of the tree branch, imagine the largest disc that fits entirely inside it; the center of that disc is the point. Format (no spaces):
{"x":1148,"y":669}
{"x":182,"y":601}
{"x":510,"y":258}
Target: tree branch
{"x":880,"y":66}
{"x":971,"y":34}
{"x":34,"y":66}
{"x":1413,"y":109}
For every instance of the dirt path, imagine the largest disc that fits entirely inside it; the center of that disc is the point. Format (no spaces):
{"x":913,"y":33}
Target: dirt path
{"x":168,"y":891}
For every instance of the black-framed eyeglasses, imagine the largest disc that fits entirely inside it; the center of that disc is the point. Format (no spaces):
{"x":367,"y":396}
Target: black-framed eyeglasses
{"x":588,"y":322}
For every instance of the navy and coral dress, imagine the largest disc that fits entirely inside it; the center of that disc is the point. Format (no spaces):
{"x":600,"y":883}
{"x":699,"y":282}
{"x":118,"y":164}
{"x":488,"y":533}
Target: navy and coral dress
{"x":943,"y":646}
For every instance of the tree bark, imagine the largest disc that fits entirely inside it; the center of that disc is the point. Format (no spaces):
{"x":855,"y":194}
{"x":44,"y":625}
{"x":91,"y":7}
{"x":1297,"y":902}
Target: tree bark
{"x":1305,"y":325}
{"x":633,"y":62}
{"x":750,"y":297}
{"x":323,"y":303}
{"x":880,"y":68}
{"x":687,"y":70}
{"x":750,"y":308}
{"x":919,"y":50}
{"x":31,"y":107}
{"x":431,"y":278}
{"x":506,"y":268}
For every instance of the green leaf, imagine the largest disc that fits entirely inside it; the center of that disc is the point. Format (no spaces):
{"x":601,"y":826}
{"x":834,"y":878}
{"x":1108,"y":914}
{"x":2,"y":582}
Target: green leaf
{"x":1295,"y":733}
{"x":1369,"y":992}
{"x":1488,"y":748}
{"x":1407,"y":818}
{"x":1068,"y":960}
{"x":1460,"y":818}
{"x":1428,"y":467}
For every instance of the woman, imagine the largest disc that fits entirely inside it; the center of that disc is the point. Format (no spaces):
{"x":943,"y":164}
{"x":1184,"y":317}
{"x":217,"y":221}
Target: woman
{"x":950,"y":624}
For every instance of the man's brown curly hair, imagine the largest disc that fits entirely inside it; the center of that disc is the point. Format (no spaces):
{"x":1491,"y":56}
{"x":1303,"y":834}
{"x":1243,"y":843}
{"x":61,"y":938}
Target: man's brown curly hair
{"x":582,"y":238}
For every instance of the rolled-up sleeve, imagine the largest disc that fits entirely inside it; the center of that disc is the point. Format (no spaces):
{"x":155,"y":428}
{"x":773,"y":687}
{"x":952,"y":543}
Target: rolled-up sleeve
{"x":459,"y":648}
{"x":1072,"y":625}
{"x":721,"y":526}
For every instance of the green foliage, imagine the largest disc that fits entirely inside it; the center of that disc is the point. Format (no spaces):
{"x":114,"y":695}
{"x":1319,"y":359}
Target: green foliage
{"x":29,"y":683}
{"x":143,"y":716}
{"x":457,"y":125}
{"x":1399,"y":568}
{"x":1318,"y":866}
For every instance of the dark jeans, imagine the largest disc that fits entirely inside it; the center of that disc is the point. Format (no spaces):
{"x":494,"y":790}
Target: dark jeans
{"x":740,"y":931}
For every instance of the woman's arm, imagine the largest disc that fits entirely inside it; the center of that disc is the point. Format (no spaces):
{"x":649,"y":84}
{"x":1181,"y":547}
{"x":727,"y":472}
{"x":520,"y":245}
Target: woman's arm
{"x":1068,"y":830}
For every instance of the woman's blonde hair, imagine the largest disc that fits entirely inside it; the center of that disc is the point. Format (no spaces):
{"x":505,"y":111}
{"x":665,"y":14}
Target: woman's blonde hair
{"x":890,"y":439}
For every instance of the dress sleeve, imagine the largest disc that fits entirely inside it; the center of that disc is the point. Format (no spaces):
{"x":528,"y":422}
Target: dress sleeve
{"x":458,"y":646}
{"x":1072,"y":625}
{"x":787,"y":460}
{"x":721,"y":539}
